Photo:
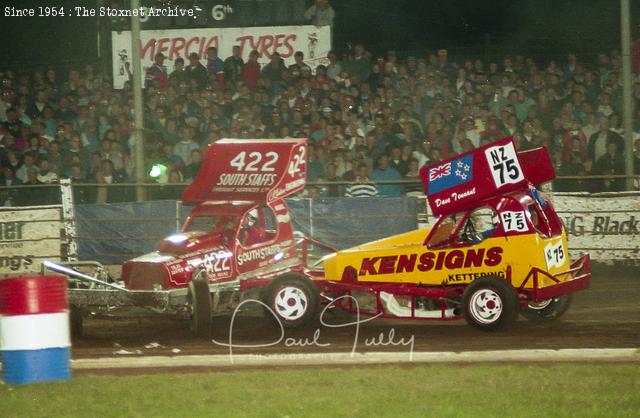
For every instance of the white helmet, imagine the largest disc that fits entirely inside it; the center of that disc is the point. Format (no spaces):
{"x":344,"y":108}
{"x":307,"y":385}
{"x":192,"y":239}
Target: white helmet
{"x":252,"y":216}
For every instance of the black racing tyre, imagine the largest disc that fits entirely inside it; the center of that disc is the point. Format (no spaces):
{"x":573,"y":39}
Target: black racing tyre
{"x":293,"y":299}
{"x":547,"y":310}
{"x":200,"y":298}
{"x":76,"y":322}
{"x":490,"y":303}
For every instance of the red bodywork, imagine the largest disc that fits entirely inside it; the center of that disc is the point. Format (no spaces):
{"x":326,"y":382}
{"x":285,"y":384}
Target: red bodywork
{"x":240,"y":228}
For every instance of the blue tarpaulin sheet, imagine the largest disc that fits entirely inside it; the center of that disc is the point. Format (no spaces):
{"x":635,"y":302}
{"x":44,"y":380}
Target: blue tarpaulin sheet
{"x":113,"y":233}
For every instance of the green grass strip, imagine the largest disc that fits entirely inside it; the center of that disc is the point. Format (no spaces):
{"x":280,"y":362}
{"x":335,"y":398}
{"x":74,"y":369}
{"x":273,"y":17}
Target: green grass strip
{"x":481,"y":390}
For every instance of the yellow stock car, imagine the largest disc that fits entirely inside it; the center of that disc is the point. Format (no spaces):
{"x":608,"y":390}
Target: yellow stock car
{"x":485,"y":259}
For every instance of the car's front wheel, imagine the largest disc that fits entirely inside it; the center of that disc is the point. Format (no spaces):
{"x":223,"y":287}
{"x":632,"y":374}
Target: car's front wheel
{"x":293,"y":300}
{"x":547,"y":310}
{"x":490,"y":303}
{"x":200,"y":302}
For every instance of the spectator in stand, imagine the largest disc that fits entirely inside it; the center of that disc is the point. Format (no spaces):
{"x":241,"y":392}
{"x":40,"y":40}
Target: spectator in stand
{"x":107,"y":153}
{"x":45,"y":175}
{"x":359,"y":65}
{"x":597,"y":146}
{"x":29,"y":163}
{"x":190,"y":171}
{"x":574,"y":144}
{"x":65,"y":113}
{"x":272,"y":72}
{"x":166,"y":157}
{"x":315,"y":163}
{"x":55,"y":158}
{"x":384,"y":172}
{"x":362,"y":186}
{"x":196,"y":71}
{"x":9,"y":197}
{"x":36,"y":108}
{"x":413,"y":174}
{"x":109,"y":175}
{"x":80,"y":193}
{"x":334,"y":69}
{"x":604,"y":108}
{"x":251,"y":71}
{"x":156,"y":75}
{"x":215,"y":66}
{"x":332,"y":190}
{"x":10,"y":160}
{"x":32,"y":196}
{"x":591,"y":125}
{"x":233,"y":66}
{"x":172,"y":191}
{"x":443,"y":65}
{"x":320,"y":14}
{"x":7,"y":97}
{"x":525,"y":139}
{"x":13,"y":124}
{"x":611,"y":163}
{"x":186,"y":145}
{"x":397,"y":162}
{"x":299,"y":69}
{"x":179,"y":75}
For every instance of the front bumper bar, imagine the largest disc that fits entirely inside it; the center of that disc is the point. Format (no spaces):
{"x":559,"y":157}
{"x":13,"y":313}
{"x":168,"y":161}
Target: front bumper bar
{"x":578,"y":277}
{"x":104,"y":296}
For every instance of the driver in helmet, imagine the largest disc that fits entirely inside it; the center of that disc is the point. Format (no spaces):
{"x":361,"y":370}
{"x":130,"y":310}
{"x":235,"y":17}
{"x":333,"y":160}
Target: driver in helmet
{"x":469,"y":230}
{"x":251,"y":231}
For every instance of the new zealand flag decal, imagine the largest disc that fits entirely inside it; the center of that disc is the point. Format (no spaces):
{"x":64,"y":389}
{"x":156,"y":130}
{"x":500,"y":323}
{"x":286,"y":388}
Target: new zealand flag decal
{"x":451,"y":174}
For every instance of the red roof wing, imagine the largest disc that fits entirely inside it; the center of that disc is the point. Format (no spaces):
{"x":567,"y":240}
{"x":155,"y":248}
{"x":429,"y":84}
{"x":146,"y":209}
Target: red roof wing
{"x":256,"y":170}
{"x":491,"y":170}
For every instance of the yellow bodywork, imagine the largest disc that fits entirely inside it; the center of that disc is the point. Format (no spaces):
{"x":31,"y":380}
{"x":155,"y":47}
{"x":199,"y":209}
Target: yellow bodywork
{"x":405,"y":259}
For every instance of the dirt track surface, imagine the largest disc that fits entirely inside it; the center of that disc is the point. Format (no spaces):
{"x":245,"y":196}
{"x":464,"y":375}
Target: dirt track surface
{"x":607,"y":315}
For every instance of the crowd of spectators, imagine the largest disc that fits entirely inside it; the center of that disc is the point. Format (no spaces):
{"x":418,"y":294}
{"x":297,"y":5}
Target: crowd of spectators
{"x":368,"y":118}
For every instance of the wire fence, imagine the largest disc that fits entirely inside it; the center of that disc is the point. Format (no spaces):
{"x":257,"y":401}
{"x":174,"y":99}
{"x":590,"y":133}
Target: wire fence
{"x":604,"y":224}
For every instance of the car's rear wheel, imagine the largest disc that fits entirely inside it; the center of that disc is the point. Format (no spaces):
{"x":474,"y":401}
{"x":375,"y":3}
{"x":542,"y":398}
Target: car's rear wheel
{"x":200,"y":298}
{"x":293,"y":300}
{"x":547,"y":310}
{"x":490,"y":303}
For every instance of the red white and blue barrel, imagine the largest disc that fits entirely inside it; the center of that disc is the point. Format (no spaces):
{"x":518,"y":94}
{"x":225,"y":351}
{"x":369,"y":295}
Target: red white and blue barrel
{"x":34,"y":329}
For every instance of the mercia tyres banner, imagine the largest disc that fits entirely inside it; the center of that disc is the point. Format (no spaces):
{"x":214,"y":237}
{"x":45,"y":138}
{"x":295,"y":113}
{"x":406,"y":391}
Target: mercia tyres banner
{"x":314,"y":42}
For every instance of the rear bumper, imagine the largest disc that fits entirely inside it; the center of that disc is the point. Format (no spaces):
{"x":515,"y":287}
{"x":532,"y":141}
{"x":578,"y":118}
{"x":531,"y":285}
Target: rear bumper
{"x":578,"y":277}
{"x":122,"y":302}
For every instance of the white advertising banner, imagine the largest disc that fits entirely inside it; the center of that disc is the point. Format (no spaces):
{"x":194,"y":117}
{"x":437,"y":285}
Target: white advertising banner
{"x":606,"y":226}
{"x":27,"y":237}
{"x":314,"y":42}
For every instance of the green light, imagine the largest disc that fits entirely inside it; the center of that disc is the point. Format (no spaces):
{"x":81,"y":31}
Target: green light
{"x":157,"y":170}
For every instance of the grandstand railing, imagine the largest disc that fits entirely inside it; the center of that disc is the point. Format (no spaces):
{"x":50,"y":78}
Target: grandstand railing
{"x":150,"y":186}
